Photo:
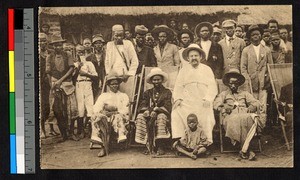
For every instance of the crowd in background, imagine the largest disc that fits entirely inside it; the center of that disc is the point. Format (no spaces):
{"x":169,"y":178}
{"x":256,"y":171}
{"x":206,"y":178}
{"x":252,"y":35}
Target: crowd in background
{"x":72,"y":77}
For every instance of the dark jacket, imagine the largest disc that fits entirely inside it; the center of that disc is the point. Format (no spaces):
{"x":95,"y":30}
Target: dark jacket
{"x":215,"y":59}
{"x":163,"y":101}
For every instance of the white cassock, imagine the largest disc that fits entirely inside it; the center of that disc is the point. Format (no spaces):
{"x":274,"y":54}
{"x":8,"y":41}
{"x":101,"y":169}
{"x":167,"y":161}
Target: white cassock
{"x":193,"y":85}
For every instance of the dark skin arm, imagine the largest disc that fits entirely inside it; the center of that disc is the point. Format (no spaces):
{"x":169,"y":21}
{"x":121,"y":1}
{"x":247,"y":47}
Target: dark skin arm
{"x":58,"y":83}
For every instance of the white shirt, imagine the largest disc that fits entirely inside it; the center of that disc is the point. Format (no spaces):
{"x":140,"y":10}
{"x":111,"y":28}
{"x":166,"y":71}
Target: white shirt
{"x":256,"y":50}
{"x":87,"y":67}
{"x":120,"y":66}
{"x":206,"y":47}
{"x":119,"y":100}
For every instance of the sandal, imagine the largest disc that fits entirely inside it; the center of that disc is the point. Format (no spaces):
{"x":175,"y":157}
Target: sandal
{"x":101,"y":153}
{"x":243,"y":155}
{"x":252,"y":156}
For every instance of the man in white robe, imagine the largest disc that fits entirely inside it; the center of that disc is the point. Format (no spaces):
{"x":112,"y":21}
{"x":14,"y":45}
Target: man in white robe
{"x":194,"y":92}
{"x":120,"y":56}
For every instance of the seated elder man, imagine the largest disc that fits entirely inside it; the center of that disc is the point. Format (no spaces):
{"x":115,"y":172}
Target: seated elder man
{"x":110,"y":109}
{"x":153,"y":120}
{"x":241,"y":123}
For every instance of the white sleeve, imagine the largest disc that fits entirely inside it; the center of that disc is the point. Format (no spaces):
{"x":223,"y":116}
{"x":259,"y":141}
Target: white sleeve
{"x":92,"y":69}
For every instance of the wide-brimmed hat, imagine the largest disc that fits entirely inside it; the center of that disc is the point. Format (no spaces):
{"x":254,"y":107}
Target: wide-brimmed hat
{"x":233,"y":73}
{"x":228,"y":23}
{"x":185,"y":53}
{"x":141,"y":29}
{"x":252,"y":28}
{"x":97,"y":37}
{"x":56,"y":38}
{"x":186,"y":31}
{"x":113,"y":76}
{"x":162,"y":28}
{"x":203,"y":24}
{"x":154,"y":72}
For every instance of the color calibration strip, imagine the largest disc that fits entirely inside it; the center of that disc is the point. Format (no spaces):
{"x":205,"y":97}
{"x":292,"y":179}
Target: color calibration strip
{"x":21,"y":90}
{"x":12,"y":100}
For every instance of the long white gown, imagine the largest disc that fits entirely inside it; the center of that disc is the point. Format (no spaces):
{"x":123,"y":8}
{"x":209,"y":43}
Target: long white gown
{"x":193,"y":85}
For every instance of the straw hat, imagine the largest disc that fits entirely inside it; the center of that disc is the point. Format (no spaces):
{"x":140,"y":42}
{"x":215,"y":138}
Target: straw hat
{"x":185,"y":53}
{"x":235,"y":73}
{"x":113,"y":76}
{"x":154,"y":72}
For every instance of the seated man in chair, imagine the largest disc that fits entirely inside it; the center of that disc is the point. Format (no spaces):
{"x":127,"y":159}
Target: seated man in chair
{"x":153,"y":120}
{"x":110,"y":109}
{"x":238,"y":109}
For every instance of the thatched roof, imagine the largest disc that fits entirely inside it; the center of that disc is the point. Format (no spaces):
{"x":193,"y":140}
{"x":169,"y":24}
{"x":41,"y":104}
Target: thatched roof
{"x":259,"y":14}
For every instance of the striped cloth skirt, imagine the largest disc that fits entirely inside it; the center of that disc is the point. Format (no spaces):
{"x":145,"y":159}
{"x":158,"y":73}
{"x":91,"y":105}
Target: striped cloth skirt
{"x":161,"y":129}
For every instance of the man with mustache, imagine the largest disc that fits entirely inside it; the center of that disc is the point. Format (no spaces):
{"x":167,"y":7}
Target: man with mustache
{"x":194,"y":92}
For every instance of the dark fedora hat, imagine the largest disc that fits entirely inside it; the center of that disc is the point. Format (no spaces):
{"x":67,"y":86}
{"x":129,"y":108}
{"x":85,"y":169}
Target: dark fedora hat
{"x":162,"y":28}
{"x":186,"y":31}
{"x":203,"y":24}
{"x":235,"y":73}
{"x":252,"y":28}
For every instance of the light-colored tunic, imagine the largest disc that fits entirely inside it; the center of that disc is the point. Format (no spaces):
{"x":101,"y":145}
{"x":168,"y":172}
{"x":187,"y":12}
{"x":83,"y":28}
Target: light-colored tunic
{"x":193,"y":86}
{"x":121,"y":102}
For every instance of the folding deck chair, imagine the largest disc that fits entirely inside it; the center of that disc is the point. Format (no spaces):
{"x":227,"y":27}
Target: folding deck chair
{"x":131,"y":88}
{"x":224,"y":140}
{"x":280,"y":75}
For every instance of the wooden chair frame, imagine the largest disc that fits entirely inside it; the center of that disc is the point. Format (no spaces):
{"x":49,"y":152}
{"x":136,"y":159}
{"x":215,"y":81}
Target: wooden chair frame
{"x":276,"y":95}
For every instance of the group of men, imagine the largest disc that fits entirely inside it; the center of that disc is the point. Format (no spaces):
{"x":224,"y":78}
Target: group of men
{"x":71,"y":84}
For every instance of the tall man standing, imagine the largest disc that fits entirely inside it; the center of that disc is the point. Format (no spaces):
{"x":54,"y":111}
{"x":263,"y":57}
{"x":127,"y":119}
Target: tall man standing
{"x":232,"y":46}
{"x":59,"y":68}
{"x":165,"y":53}
{"x":255,"y":58}
{"x":98,"y":61}
{"x":120,"y":55}
{"x":145,"y":54}
{"x":213,"y":51}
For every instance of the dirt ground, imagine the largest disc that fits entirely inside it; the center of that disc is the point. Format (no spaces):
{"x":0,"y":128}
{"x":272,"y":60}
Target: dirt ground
{"x":77,"y":155}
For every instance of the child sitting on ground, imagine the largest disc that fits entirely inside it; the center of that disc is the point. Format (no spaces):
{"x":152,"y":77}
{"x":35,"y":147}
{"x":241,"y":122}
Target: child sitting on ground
{"x":194,"y":142}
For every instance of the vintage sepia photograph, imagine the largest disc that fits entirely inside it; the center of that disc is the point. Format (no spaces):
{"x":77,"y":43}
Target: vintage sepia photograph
{"x":166,"y":87}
